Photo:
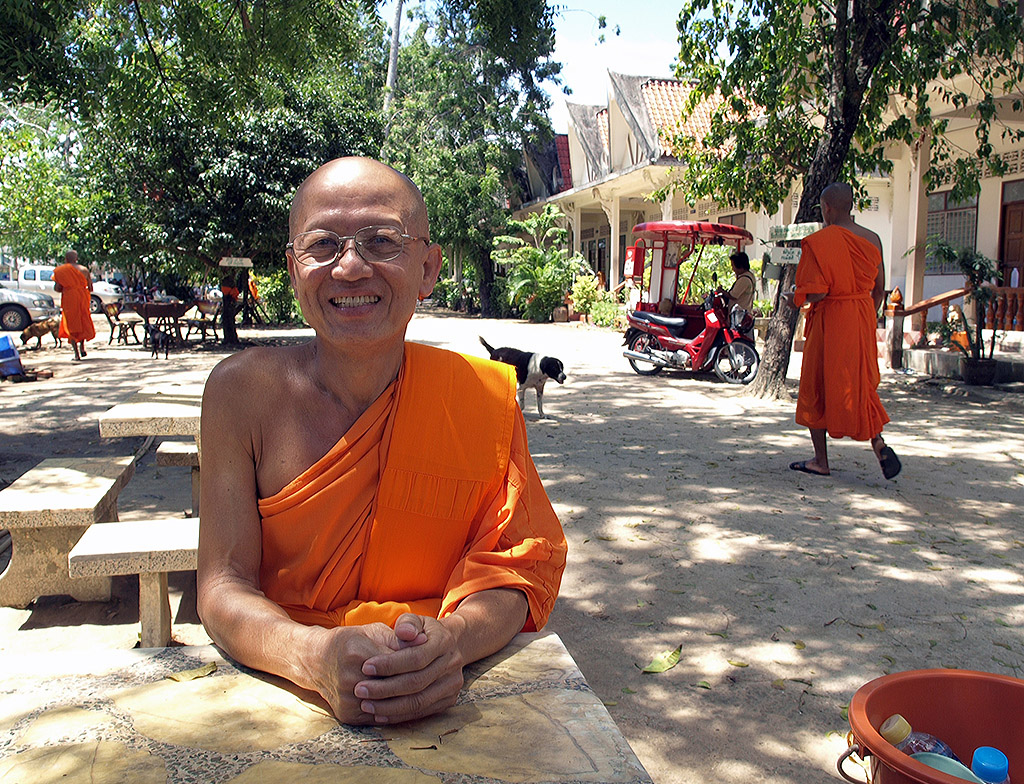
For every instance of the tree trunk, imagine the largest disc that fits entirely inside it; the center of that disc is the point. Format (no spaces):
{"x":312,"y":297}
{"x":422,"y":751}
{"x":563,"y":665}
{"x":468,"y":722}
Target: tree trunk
{"x":486,"y":284}
{"x":227,"y":315}
{"x":392,"y":78}
{"x":771,"y":379}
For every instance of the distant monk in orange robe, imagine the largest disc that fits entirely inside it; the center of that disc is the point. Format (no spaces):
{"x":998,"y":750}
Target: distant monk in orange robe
{"x":74,"y":283}
{"x":371,"y":518}
{"x":842,"y":276}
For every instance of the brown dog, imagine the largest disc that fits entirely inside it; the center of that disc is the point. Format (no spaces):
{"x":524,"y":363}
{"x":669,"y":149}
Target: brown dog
{"x":38,"y":329}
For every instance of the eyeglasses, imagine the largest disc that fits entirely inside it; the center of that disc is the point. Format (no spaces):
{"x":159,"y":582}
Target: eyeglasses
{"x":320,"y":247}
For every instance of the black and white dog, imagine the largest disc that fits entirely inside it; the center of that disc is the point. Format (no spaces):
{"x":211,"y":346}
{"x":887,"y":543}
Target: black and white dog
{"x":532,"y":370}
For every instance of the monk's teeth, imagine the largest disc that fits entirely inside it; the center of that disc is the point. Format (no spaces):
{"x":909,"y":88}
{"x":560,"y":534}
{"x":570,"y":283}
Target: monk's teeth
{"x":353,"y":302}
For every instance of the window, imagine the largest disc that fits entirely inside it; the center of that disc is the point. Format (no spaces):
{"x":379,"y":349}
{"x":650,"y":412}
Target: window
{"x":29,"y":275}
{"x":45,"y":274}
{"x":954,"y":222}
{"x":739,"y":219}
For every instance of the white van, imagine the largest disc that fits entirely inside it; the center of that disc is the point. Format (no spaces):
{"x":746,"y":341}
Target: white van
{"x":39,"y":278}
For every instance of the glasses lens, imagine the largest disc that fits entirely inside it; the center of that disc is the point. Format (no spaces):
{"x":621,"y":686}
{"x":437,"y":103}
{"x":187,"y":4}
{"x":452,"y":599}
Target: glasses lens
{"x":316,"y":247}
{"x":379,"y":243}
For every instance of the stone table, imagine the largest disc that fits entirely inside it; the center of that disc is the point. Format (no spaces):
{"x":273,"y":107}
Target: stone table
{"x":526,"y":716}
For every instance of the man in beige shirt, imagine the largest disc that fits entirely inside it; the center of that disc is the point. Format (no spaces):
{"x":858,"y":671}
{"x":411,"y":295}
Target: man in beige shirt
{"x":742,"y":291}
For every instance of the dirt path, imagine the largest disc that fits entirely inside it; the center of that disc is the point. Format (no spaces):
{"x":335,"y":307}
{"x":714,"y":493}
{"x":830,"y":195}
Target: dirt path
{"x":786,"y":592}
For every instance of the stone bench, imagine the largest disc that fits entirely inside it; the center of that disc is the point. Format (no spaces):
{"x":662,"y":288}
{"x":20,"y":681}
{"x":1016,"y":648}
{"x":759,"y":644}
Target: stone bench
{"x":182,"y":453}
{"x":47,"y":510}
{"x":148,"y":548}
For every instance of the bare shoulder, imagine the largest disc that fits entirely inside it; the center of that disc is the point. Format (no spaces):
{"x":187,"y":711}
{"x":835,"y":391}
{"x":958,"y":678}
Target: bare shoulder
{"x":867,"y":234}
{"x":251,"y":381}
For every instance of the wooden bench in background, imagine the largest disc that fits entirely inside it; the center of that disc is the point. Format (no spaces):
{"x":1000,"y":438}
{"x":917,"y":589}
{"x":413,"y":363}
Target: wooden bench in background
{"x":148,"y":548}
{"x":46,"y":511}
{"x":182,"y":453}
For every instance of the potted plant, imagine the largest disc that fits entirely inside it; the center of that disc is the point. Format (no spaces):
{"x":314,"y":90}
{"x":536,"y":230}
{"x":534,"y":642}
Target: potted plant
{"x":978,"y":271}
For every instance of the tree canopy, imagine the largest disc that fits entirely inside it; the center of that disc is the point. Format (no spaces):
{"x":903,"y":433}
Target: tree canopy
{"x":809,"y":92}
{"x":467,"y":98}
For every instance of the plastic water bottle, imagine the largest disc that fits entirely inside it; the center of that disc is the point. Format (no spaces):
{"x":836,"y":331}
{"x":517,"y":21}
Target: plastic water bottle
{"x":898,"y":732}
{"x":990,"y":765}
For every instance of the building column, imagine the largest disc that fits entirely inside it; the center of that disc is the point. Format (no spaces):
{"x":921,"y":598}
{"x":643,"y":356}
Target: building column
{"x":612,"y":211}
{"x":666,"y":209}
{"x":575,"y":218}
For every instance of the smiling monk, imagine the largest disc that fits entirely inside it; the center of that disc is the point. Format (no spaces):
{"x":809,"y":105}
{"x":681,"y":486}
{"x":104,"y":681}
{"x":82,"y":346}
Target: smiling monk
{"x":371,"y":518}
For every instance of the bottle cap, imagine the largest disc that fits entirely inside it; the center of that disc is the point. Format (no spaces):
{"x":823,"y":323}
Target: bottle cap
{"x":894,"y":729}
{"x":990,"y":764}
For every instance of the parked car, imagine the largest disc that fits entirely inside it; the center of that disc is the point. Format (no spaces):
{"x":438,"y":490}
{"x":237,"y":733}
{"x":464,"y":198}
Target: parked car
{"x":18,"y":308}
{"x":39,"y":278}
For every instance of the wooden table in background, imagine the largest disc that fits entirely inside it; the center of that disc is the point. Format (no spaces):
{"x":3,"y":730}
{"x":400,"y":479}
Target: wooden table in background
{"x":526,"y":715}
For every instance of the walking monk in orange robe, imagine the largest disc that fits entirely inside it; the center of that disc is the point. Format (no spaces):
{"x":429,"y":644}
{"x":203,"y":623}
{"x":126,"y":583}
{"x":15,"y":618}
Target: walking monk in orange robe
{"x":371,"y":518}
{"x":74,"y":283}
{"x":842,"y":276}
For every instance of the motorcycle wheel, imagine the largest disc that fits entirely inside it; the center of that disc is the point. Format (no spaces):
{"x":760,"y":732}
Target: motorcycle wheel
{"x":736,"y":363}
{"x":643,"y":343}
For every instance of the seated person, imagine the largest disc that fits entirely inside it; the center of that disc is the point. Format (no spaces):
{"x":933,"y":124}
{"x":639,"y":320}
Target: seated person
{"x":371,"y":518}
{"x":745,"y":285}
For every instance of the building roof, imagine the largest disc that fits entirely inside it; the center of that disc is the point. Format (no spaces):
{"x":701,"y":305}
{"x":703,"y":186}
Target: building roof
{"x":588,"y":129}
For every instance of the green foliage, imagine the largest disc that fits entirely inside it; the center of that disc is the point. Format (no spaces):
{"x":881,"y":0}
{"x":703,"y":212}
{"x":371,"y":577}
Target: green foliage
{"x":541,"y":271}
{"x":979,"y":271}
{"x":585,"y":293}
{"x":816,"y":92}
{"x":607,"y":312}
{"x":277,"y":297}
{"x":467,"y":97}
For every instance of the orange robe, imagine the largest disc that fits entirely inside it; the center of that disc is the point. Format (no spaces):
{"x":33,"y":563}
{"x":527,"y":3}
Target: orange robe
{"x":430,"y":496}
{"x":75,"y":312}
{"x":839,"y":373}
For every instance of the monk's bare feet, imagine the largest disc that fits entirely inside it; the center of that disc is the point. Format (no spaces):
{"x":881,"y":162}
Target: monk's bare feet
{"x":809,"y":467}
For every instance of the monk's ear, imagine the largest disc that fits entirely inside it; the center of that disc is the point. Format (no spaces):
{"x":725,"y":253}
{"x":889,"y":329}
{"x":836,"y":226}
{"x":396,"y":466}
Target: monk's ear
{"x":290,"y":260}
{"x":431,"y":270}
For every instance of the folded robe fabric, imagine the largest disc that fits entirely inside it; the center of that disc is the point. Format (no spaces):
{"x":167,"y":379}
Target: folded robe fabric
{"x":839,"y":369}
{"x":430,"y":496}
{"x":75,"y":312}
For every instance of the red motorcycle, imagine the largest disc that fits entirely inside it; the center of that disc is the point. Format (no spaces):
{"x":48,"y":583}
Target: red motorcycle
{"x":664,"y":333}
{"x":654,"y":342}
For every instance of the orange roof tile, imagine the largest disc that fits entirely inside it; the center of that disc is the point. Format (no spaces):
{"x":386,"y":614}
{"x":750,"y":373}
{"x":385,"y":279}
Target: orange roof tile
{"x":666,"y":99}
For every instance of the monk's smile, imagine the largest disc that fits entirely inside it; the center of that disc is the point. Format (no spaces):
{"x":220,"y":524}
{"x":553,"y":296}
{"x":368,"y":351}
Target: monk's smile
{"x":354,"y":302}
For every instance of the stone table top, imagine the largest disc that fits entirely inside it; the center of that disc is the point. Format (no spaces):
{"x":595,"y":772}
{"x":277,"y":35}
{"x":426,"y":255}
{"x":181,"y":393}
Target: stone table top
{"x":526,"y":716}
{"x":167,"y":410}
{"x":65,"y":491}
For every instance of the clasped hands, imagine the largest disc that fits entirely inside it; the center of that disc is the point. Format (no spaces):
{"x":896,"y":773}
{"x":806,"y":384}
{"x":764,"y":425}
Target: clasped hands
{"x":374,"y":674}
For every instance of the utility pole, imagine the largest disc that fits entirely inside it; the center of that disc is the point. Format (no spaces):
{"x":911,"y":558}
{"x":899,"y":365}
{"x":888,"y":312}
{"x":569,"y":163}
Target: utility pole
{"x":389,"y":87}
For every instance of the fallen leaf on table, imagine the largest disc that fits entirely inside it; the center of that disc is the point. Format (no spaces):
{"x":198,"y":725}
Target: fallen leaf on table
{"x":664,"y":661}
{"x":191,"y":675}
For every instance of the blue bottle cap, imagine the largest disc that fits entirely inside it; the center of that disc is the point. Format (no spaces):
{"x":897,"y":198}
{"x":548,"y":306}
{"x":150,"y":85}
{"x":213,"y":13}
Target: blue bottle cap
{"x":990,"y":764}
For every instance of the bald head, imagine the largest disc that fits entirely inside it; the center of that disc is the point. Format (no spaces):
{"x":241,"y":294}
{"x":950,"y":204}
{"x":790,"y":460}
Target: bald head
{"x":358,"y":184}
{"x":71,"y":257}
{"x":839,"y":197}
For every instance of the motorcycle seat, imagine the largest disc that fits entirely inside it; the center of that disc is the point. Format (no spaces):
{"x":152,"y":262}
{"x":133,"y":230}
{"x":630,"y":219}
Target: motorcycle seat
{"x":674,"y":325}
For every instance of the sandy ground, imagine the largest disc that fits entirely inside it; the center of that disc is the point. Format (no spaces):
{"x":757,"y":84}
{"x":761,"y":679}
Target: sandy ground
{"x":686,"y":528}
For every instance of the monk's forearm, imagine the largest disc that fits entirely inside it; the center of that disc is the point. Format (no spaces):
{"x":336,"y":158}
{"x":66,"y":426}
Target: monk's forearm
{"x":485,"y":622}
{"x":256,"y":632}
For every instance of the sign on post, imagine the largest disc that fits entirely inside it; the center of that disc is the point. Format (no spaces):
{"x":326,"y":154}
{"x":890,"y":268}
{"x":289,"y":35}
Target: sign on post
{"x":235,"y":261}
{"x":782,"y":256}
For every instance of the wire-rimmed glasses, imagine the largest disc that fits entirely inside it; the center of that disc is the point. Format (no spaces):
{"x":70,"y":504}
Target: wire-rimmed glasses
{"x":320,"y":247}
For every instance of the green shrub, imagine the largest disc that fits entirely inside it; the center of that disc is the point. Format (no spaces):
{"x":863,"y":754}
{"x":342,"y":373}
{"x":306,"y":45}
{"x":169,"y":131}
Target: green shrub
{"x":277,"y":297}
{"x":585,"y":293}
{"x":606,"y":312}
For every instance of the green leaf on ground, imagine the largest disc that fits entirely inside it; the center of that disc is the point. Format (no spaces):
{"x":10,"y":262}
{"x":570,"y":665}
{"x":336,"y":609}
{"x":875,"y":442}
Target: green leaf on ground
{"x":723,"y":635}
{"x":779,"y":683}
{"x":627,"y":690}
{"x":702,"y":685}
{"x":799,"y":644}
{"x":664,"y":661}
{"x":737,"y":663}
{"x":191,"y":675}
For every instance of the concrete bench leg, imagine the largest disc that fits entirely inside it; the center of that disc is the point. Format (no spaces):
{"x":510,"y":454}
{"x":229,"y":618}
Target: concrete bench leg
{"x":39,"y":568}
{"x":154,"y":610}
